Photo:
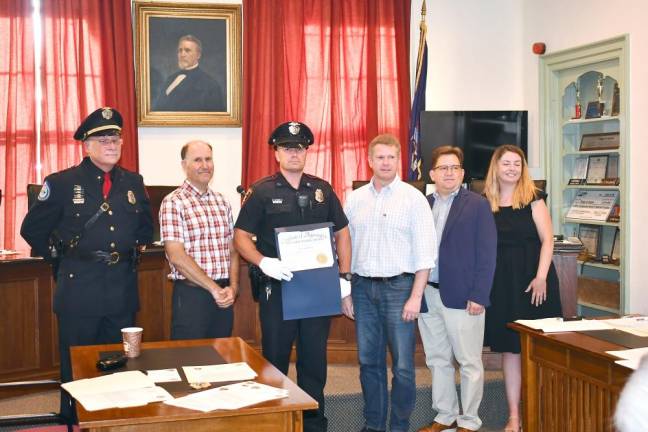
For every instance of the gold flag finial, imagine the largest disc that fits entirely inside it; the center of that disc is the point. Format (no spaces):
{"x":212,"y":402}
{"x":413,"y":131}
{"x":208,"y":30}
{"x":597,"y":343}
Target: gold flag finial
{"x":422,"y":37}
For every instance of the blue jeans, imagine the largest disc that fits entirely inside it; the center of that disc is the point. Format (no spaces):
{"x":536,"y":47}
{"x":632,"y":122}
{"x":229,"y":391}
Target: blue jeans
{"x":378,"y":306}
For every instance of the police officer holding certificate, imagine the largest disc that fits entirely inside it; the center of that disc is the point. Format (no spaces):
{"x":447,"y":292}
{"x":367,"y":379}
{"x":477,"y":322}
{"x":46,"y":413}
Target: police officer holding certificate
{"x":289,"y":198}
{"x":90,"y":221}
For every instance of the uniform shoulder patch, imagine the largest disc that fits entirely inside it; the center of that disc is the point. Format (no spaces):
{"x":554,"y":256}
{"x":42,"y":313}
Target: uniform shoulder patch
{"x":44,"y":192}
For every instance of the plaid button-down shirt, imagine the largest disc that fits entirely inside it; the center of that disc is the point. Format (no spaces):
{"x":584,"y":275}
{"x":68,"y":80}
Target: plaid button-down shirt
{"x":203,"y":223}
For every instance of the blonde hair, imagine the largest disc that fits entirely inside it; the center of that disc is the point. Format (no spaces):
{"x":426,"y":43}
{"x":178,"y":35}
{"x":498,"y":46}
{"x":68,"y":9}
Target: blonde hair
{"x":525,"y":190}
{"x":385,"y":139}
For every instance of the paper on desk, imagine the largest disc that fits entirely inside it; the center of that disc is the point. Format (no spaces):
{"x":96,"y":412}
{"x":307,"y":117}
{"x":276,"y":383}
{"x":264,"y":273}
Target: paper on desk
{"x":229,"y":397}
{"x":555,"y":325}
{"x":631,"y":357}
{"x":108,"y":383}
{"x":219,"y":373}
{"x":630,"y":364}
{"x":124,"y":398}
{"x":164,"y":375}
{"x":118,"y":390}
{"x":637,"y":326}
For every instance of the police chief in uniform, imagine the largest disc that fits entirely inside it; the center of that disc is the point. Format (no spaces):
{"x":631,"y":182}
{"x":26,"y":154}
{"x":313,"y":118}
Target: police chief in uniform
{"x":288,"y":198}
{"x":90,"y":221}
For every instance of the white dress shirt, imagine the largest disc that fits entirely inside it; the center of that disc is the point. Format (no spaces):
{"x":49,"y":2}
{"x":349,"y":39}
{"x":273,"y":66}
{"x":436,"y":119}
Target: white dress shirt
{"x":392,"y":231}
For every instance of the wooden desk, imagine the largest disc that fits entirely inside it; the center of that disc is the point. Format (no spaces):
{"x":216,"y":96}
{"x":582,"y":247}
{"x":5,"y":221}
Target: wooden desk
{"x":569,"y":383}
{"x":279,"y":415}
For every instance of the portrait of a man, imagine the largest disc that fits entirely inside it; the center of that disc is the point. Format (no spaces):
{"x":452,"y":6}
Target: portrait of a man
{"x":190,"y":88}
{"x":188,"y":64}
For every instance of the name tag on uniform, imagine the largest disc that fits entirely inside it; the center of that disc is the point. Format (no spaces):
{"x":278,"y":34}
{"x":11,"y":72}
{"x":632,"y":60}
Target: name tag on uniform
{"x":277,"y":201}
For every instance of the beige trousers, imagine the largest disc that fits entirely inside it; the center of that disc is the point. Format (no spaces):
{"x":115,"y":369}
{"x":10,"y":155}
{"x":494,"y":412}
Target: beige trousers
{"x":449,"y":334}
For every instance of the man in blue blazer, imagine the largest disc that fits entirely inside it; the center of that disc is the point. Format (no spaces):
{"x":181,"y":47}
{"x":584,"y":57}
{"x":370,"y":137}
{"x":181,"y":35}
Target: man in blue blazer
{"x":458,"y":290}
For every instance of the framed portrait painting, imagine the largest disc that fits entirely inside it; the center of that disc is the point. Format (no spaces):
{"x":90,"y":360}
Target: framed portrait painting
{"x":188,"y":64}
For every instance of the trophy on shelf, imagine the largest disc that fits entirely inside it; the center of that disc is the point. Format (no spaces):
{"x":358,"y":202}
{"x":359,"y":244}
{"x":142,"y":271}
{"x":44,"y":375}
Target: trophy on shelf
{"x":578,"y":109}
{"x":595,"y":108}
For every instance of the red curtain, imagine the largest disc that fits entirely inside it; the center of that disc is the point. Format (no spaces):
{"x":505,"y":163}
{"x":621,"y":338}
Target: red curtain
{"x":17,"y":118}
{"x":340,"y":66}
{"x":87,"y":63}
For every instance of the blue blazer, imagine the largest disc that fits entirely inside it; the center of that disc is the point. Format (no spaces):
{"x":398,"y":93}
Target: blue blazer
{"x":468,"y":251}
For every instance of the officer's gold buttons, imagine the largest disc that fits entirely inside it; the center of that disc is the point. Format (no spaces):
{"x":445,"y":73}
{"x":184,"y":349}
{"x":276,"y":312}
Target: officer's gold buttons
{"x":112,"y":245}
{"x":71,"y":275}
{"x":110,"y":212}
{"x":112,"y":228}
{"x":98,"y":177}
{"x":77,"y":215}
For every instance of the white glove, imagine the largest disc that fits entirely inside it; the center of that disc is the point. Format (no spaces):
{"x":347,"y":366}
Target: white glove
{"x":345,"y":288}
{"x":275,"y":269}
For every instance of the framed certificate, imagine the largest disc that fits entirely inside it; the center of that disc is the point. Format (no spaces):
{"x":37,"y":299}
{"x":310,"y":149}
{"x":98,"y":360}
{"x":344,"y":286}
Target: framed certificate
{"x":600,"y":141}
{"x":612,"y":171}
{"x":580,"y":171}
{"x":590,"y":236}
{"x":596,"y":169}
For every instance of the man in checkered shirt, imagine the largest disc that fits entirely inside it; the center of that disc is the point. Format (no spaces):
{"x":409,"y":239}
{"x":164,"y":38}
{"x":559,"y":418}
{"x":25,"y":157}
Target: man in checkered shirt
{"x":196,"y":226}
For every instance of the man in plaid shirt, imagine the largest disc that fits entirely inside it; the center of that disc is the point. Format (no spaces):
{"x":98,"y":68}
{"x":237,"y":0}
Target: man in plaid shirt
{"x":196,"y":226}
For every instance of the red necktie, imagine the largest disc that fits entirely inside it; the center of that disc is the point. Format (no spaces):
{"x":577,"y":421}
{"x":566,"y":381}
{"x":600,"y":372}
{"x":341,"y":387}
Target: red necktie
{"x":106,"y":185}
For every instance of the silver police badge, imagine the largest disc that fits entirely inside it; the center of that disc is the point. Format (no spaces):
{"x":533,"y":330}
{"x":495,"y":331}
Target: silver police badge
{"x":106,"y":113}
{"x":319,"y":195}
{"x":131,"y":197}
{"x":78,"y":194}
{"x":293,"y":128}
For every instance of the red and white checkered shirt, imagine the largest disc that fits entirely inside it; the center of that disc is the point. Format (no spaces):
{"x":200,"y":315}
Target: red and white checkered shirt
{"x":203,"y":223}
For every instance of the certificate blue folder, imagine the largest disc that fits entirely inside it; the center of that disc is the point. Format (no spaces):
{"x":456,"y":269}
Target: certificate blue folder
{"x":315,"y":292}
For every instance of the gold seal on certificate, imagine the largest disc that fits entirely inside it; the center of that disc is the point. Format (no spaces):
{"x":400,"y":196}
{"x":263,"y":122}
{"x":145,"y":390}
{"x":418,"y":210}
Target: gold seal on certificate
{"x":321,"y":258}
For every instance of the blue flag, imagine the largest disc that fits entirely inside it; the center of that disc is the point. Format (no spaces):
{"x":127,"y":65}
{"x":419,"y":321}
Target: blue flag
{"x":418,"y":105}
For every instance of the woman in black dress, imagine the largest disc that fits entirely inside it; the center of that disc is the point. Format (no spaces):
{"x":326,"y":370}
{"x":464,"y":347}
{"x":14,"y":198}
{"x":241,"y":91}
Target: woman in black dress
{"x":525,"y":284}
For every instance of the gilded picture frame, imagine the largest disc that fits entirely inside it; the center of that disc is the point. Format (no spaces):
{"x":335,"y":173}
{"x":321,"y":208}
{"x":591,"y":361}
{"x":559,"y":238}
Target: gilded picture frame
{"x":188,"y":64}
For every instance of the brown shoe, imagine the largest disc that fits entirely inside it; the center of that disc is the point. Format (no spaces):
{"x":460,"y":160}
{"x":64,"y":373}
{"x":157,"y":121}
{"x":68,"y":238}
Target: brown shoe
{"x":438,"y":427}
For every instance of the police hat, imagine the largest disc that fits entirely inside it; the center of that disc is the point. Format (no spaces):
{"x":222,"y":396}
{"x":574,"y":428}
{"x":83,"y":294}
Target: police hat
{"x":104,"y":121}
{"x":291,"y":134}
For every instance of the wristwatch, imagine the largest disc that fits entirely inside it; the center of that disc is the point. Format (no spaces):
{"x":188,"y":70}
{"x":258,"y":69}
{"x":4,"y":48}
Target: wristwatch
{"x":346,"y":276}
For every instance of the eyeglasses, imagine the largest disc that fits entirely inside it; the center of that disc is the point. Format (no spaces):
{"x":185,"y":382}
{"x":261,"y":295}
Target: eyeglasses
{"x":448,"y":168}
{"x":105,"y":141}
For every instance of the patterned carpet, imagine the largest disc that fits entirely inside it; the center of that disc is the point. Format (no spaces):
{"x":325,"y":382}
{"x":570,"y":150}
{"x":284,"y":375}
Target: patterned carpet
{"x":343,"y":401}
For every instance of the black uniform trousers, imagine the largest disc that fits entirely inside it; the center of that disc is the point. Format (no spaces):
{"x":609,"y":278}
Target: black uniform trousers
{"x":77,"y":330}
{"x":196,"y":315}
{"x":310,"y":335}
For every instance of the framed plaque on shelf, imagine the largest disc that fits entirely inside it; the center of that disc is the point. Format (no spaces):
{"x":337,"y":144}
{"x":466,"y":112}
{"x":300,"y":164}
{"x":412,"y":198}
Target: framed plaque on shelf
{"x":596,"y":169}
{"x":612,"y":170}
{"x":615,"y":254}
{"x":594,"y":205}
{"x":600,"y":141}
{"x":580,"y":171}
{"x":590,"y":236}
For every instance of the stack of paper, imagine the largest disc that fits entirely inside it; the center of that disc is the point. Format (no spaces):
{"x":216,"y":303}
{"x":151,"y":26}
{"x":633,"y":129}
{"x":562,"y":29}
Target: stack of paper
{"x":637,"y":325}
{"x":229,"y":397}
{"x":118,"y":390}
{"x":631,"y":357}
{"x":555,"y":325}
{"x":219,"y":373}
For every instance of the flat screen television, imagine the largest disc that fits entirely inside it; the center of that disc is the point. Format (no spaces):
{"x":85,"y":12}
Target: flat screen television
{"x":478,"y":133}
